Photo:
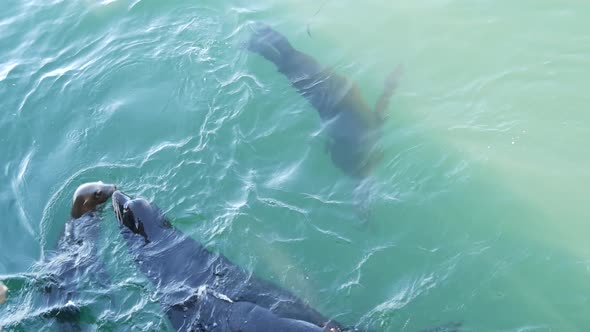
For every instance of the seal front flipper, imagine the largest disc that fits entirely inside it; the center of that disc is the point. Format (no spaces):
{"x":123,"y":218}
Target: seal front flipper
{"x":389,"y":88}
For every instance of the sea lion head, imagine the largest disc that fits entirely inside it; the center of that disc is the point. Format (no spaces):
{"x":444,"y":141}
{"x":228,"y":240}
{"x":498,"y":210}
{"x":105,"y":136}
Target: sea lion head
{"x":90,"y":195}
{"x":139,"y":218}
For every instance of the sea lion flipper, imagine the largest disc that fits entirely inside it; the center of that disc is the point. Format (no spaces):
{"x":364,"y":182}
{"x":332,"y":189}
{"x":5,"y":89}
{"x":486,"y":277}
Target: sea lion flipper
{"x":389,"y":88}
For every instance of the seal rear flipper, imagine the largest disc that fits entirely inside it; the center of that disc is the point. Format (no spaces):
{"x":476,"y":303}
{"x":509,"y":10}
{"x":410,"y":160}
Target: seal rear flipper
{"x":269,"y":43}
{"x":302,"y":70}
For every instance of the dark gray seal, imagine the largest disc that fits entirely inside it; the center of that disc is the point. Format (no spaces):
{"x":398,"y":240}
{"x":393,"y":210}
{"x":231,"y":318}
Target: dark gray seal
{"x":76,"y":256}
{"x":58,"y":277}
{"x":203,"y":291}
{"x":353,"y":128}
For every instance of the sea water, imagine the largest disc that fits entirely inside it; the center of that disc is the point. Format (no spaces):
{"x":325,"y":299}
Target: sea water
{"x":478,"y":210}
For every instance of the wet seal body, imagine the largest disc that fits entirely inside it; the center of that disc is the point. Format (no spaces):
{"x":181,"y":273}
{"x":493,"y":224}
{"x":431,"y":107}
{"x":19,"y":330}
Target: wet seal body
{"x":353,"y":128}
{"x":204,"y":291}
{"x":76,"y":256}
{"x":74,"y":261}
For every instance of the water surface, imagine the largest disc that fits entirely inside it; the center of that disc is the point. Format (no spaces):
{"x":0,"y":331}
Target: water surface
{"x":479,"y":208}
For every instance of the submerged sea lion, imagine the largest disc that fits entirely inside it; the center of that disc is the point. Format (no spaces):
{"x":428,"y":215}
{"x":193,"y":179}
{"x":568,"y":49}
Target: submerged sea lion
{"x":353,"y":128}
{"x":204,"y":291}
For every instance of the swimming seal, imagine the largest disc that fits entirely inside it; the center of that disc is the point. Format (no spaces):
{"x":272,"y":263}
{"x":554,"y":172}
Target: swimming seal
{"x":203,"y":291}
{"x":74,"y":261}
{"x":76,"y":256}
{"x":353,"y":128}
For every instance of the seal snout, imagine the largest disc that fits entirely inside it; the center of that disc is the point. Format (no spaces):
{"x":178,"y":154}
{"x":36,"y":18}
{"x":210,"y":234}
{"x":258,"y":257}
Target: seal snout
{"x":120,"y":198}
{"x":110,"y":189}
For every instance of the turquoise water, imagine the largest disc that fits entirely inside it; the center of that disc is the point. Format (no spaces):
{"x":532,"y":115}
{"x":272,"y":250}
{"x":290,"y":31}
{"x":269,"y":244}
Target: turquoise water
{"x":478,"y":210}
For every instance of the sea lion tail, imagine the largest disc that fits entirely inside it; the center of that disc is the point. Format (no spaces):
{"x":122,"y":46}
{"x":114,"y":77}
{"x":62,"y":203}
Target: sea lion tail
{"x":270,"y":44}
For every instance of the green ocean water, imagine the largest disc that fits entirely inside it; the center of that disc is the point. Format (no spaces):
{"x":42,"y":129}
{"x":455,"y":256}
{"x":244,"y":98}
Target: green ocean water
{"x":479,"y":209}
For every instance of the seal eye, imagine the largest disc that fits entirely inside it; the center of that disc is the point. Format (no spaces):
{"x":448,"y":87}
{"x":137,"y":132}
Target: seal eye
{"x":97,"y":193}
